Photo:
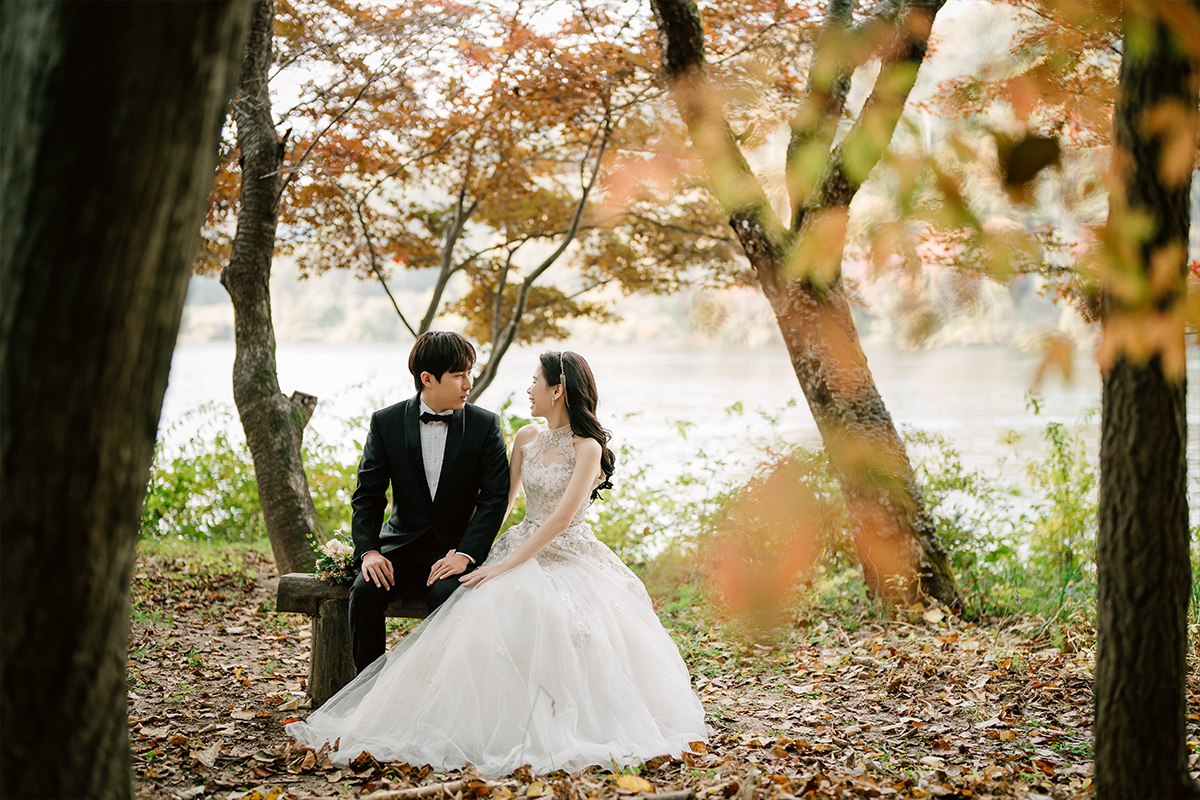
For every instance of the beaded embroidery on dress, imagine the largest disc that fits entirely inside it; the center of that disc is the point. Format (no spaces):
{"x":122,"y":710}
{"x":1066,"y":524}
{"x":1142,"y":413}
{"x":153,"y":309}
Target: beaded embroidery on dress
{"x":559,"y":663}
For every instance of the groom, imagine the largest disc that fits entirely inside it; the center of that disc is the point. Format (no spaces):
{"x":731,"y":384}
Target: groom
{"x":446,"y":463}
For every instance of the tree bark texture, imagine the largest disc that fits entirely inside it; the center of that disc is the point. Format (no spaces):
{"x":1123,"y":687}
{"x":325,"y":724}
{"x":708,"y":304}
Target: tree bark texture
{"x":1143,"y":563}
{"x":894,"y":535}
{"x":273,"y":423}
{"x":893,"y":531}
{"x":111,"y":117}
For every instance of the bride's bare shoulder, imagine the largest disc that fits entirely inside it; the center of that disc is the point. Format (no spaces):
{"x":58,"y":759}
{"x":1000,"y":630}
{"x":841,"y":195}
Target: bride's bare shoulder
{"x":587,"y":446}
{"x":526,"y":434}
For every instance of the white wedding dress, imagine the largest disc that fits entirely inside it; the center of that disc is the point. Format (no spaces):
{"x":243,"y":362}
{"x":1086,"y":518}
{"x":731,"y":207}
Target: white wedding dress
{"x":560,"y":663}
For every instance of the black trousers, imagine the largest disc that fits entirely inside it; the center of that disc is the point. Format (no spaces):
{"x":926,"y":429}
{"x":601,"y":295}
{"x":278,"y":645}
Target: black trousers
{"x":410,"y":564}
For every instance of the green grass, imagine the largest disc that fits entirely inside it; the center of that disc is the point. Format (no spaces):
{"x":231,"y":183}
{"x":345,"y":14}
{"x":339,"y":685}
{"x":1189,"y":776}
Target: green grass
{"x":215,"y":556}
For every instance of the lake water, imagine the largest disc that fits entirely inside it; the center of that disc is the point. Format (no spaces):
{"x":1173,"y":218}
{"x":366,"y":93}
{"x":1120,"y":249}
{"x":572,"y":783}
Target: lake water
{"x":972,"y":396}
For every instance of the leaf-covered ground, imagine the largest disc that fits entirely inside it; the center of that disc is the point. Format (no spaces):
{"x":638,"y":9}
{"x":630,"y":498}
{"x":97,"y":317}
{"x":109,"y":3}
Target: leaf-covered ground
{"x":918,"y":705}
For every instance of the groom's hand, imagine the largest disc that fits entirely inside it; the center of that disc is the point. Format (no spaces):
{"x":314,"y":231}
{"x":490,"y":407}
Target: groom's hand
{"x":377,"y":569}
{"x":453,"y":564}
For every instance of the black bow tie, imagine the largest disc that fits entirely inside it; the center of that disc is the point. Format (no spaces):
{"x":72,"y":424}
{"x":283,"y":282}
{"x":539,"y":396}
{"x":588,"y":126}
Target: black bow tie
{"x":427,"y":417}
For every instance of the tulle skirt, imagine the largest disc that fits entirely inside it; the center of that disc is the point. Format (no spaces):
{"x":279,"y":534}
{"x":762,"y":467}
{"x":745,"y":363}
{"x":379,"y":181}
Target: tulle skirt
{"x":559,"y":667}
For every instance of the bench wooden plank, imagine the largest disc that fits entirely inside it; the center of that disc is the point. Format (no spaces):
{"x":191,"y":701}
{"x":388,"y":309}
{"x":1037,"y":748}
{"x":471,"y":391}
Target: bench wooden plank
{"x":302,"y":593}
{"x":332,"y":665}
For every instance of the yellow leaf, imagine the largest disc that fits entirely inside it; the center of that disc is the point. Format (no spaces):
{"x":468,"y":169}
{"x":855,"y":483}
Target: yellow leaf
{"x":536,"y":789}
{"x":501,"y":793}
{"x":242,"y":714}
{"x":634,"y":783}
{"x":272,"y":794}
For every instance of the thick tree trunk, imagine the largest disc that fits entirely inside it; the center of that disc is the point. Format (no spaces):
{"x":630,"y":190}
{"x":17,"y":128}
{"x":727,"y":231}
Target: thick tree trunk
{"x":893,"y":531}
{"x":112,"y":114}
{"x":1143,"y":564}
{"x":274,"y":423}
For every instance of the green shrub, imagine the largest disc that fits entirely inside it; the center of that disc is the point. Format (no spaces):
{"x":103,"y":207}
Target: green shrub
{"x":204,"y":489}
{"x":1018,"y":548}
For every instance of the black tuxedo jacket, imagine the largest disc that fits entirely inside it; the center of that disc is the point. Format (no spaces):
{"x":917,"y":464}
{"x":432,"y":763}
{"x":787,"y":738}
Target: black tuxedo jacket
{"x":472,"y":488}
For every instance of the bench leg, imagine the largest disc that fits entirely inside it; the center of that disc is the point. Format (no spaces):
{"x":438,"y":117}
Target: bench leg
{"x":332,"y":666}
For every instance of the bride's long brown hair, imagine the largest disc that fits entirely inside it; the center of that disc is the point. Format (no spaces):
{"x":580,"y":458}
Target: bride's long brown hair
{"x":579,"y":390}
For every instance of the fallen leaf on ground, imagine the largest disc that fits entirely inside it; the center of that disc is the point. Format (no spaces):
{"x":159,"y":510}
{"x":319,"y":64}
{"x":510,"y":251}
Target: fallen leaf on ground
{"x":208,"y":756}
{"x":634,"y":783}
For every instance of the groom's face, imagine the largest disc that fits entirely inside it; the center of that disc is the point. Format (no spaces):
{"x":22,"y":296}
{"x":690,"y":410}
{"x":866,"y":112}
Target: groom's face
{"x":448,"y":393}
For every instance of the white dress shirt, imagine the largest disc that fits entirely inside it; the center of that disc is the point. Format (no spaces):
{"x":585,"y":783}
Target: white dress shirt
{"x":433,"y":450}
{"x":433,"y":447}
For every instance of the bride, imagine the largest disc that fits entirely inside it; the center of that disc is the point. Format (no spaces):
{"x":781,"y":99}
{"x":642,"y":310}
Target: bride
{"x":551,"y":654}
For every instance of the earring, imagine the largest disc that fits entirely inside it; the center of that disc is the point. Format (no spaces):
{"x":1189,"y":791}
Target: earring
{"x":552,"y":401}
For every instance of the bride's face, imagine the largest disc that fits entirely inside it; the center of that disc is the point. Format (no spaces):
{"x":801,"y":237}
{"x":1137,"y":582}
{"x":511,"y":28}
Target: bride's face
{"x":540,"y":394}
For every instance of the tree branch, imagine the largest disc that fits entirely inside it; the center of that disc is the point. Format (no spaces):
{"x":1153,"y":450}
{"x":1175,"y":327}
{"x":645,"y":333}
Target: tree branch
{"x":871,"y":134}
{"x":375,"y":267}
{"x":293,"y":169}
{"x":681,"y":41}
{"x":680,"y":228}
{"x":508,"y":334}
{"x":362,"y":221}
{"x":816,"y":121}
{"x":453,"y":233}
{"x":498,"y":297}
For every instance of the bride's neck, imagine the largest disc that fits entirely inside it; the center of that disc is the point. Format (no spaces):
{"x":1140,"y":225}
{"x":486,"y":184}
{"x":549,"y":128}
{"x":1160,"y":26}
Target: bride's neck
{"x":557,"y":419}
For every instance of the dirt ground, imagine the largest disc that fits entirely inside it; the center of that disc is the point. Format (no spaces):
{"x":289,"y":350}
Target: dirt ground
{"x":919,"y":705}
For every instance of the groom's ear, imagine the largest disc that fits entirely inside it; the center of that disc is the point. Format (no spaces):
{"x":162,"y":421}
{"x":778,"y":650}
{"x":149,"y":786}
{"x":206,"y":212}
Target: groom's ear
{"x":427,"y":379}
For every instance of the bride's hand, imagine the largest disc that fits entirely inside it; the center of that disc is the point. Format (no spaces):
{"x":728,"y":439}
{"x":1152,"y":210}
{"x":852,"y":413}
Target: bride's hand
{"x":484,"y":574}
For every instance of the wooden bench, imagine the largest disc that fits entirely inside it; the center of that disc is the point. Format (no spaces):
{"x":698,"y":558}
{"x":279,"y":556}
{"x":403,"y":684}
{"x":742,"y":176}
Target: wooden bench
{"x":332,"y":665}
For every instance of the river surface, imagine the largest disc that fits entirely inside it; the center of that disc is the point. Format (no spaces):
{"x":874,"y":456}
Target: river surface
{"x":651,"y":397}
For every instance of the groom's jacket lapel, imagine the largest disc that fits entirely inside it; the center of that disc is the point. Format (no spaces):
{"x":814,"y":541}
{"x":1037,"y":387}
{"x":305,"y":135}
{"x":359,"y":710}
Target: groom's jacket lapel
{"x":454,"y":438}
{"x":412,"y":443}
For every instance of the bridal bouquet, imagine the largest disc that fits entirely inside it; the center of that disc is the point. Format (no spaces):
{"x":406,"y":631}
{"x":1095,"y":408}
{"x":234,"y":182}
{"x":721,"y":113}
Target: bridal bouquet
{"x":335,"y":562}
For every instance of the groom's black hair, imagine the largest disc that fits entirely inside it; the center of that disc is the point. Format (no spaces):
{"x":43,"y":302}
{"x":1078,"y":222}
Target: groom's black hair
{"x":439,"y":352}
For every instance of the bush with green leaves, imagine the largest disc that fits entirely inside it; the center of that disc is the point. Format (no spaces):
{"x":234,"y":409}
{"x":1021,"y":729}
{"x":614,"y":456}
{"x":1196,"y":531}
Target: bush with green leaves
{"x":203,"y":490}
{"x":1028,"y":547}
{"x":1024,"y":547}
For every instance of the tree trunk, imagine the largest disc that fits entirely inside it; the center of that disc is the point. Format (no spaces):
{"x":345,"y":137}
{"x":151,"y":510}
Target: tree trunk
{"x":274,"y":424}
{"x":112,"y":114}
{"x":1143,"y":565}
{"x":893,"y":531}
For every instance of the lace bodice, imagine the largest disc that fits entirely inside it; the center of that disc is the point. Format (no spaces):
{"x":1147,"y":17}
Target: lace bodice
{"x":547,"y":464}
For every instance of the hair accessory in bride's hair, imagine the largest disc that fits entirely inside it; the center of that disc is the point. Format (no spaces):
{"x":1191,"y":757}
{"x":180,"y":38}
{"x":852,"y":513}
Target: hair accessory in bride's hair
{"x":562,"y":371}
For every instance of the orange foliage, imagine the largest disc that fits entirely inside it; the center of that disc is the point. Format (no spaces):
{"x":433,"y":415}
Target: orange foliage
{"x":474,"y":139}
